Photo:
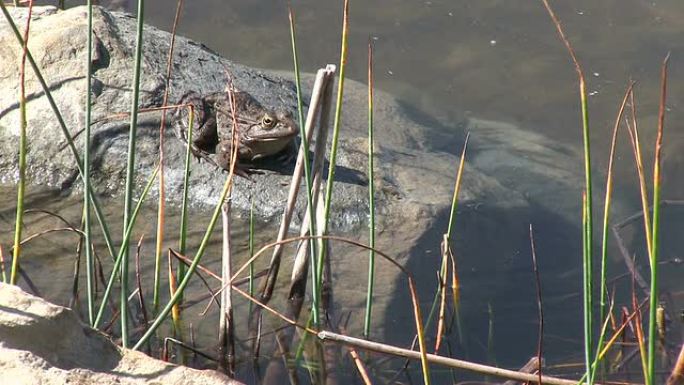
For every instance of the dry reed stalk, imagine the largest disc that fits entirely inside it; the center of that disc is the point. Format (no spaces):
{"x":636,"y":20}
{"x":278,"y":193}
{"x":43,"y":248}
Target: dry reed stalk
{"x":440,"y":360}
{"x":314,"y":105}
{"x":161,"y":208}
{"x":540,"y":305}
{"x":361,"y":367}
{"x":677,"y":376}
{"x":226,"y":336}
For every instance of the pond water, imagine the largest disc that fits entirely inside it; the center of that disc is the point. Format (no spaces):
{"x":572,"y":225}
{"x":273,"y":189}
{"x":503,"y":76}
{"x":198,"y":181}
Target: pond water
{"x":499,"y":60}
{"x":491,"y":59}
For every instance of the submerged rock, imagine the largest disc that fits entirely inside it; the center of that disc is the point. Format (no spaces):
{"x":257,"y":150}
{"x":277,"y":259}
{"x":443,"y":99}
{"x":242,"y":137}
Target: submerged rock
{"x":42,"y":343}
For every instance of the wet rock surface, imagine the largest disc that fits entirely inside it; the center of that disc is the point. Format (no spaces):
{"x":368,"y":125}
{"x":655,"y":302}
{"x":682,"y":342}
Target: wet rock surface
{"x":407,"y":173}
{"x":42,"y":343}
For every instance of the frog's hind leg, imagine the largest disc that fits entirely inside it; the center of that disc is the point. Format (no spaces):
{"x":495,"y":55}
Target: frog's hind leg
{"x":182,"y":114}
{"x":203,"y":125}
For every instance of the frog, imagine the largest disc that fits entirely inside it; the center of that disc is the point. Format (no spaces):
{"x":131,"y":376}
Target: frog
{"x":262,"y":132}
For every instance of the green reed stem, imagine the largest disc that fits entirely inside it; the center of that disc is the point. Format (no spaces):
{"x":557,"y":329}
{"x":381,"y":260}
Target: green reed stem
{"x":587,"y":233}
{"x":371,"y":200}
{"x":20,"y":190}
{"x":119,"y":257}
{"x":180,"y":271}
{"x":655,"y":238}
{"x":586,"y":294}
{"x":18,"y":225}
{"x":193,"y":266}
{"x":452,"y":217}
{"x":182,"y":238}
{"x":250,"y":244}
{"x":307,"y":165}
{"x":130,"y":169}
{"x":63,"y":127}
{"x":333,"y":148}
{"x":606,"y":219}
{"x":90,"y":264}
{"x":457,"y":188}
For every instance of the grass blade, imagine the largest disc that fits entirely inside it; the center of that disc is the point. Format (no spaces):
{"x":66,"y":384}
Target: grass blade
{"x":446,"y":249}
{"x":182,"y":238}
{"x":606,"y":218}
{"x":636,"y":148}
{"x":655,"y":238}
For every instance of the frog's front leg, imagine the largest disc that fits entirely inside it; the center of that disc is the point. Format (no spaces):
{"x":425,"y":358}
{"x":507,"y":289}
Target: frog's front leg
{"x":224,"y":155}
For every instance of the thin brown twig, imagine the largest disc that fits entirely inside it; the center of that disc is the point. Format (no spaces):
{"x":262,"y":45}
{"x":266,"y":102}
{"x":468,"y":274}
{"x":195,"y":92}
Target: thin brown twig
{"x":73,"y":301}
{"x":358,"y":362}
{"x":29,"y":282}
{"x":182,"y":344}
{"x":619,"y":331}
{"x":566,"y":42}
{"x":50,"y":213}
{"x":124,"y":115}
{"x":639,"y":332}
{"x":44,"y":232}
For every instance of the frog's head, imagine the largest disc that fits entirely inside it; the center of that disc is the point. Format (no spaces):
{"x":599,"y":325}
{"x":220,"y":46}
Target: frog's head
{"x":261,"y":131}
{"x":268,"y":134}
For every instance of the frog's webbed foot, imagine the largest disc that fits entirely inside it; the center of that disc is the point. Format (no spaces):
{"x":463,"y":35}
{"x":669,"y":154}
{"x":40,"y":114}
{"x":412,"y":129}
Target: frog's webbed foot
{"x":244,"y":172}
{"x":203,"y":155}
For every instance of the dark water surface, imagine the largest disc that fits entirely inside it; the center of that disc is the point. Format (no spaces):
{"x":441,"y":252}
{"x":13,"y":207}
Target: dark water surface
{"x":498,"y":60}
{"x":491,"y":59}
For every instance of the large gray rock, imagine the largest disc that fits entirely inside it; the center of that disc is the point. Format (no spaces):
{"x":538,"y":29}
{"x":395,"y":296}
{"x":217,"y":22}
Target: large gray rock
{"x":413,"y":181}
{"x":42,"y":343}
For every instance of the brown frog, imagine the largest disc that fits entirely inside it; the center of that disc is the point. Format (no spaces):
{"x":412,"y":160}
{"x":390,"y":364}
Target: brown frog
{"x":261,"y":132}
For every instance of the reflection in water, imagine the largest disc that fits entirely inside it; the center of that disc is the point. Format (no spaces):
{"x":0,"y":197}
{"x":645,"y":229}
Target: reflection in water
{"x":492,"y":246}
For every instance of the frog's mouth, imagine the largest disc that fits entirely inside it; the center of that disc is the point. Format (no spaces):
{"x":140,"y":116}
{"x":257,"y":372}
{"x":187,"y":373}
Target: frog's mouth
{"x":270,"y":136}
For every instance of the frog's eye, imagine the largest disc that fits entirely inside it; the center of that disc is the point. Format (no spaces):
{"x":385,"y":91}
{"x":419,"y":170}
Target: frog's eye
{"x":267,"y":121}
